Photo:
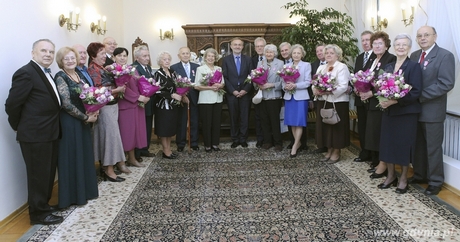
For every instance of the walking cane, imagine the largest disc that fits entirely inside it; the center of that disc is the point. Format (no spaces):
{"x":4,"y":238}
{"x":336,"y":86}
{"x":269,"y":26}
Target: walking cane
{"x":188,"y":127}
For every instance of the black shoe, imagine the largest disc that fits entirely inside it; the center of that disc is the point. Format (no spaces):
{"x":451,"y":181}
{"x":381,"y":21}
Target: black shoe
{"x":320,"y":150}
{"x":195,"y":148}
{"x":208,"y":150}
{"x":358,"y":160}
{"x":414,"y":180}
{"x":215,"y":148}
{"x":259,"y":144}
{"x":147,"y":154}
{"x":372,"y":170}
{"x":403,"y":190}
{"x":432,"y":190}
{"x":116,"y":179}
{"x":235,"y":144}
{"x":289,"y":146}
{"x":377,"y":175}
{"x":292,"y":155}
{"x":244,"y":144}
{"x":386,"y":186}
{"x":180,"y":149}
{"x":171,"y":156}
{"x":54,"y":208}
{"x":50,"y":219}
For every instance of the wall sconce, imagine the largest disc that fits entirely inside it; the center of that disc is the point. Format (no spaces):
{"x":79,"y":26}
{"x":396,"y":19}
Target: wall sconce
{"x":167,"y":35}
{"x":380,"y":23}
{"x":101,"y":30}
{"x":410,"y":20}
{"x":70,"y":25}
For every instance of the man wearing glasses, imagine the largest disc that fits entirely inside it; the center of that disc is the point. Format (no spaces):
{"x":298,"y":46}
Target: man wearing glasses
{"x":438,"y":74}
{"x":110,"y":46}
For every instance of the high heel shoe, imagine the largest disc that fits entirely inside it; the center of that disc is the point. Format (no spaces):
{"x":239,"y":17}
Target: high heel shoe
{"x":292,"y":155}
{"x":386,"y":186}
{"x":123,"y":168}
{"x":171,"y":156}
{"x":378,"y":175}
{"x":116,"y":179}
{"x":135,"y":163}
{"x":402,"y":190}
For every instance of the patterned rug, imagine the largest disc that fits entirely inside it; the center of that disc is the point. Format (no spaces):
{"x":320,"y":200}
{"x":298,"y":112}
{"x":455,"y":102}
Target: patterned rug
{"x":249,"y":194}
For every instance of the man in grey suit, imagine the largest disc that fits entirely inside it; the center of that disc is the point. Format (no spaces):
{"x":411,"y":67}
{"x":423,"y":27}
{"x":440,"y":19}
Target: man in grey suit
{"x":438,"y":74}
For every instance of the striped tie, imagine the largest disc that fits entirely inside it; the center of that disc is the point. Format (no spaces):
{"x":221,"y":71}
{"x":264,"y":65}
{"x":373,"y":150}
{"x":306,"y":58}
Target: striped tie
{"x":366,"y":58}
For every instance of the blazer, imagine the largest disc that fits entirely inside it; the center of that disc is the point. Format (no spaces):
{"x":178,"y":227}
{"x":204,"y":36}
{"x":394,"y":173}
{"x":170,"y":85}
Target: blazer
{"x":412,"y":76}
{"x":231,"y":77}
{"x":272,"y":77}
{"x":384,"y":60}
{"x":303,"y":82}
{"x":359,"y":67}
{"x":438,"y":78}
{"x":255,"y":60}
{"x":32,"y":105}
{"x":108,"y":61}
{"x":342,"y":74}
{"x":140,"y":69}
{"x":179,"y":69}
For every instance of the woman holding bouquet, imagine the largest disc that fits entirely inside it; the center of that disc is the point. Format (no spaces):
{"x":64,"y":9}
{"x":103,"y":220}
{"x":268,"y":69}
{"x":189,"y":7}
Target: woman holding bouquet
{"x":77,"y":179}
{"x":380,"y":44}
{"x":270,"y":106}
{"x":210,"y":99}
{"x":131,"y":119}
{"x":107,"y":141}
{"x":296,"y":96}
{"x":333,"y":136}
{"x":166,"y":112}
{"x":399,"y":121}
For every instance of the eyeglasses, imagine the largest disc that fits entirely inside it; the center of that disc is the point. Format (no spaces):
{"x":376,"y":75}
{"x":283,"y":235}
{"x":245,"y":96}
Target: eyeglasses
{"x":69,"y":59}
{"x":112,"y":43}
{"x":378,"y":44}
{"x":419,"y":36}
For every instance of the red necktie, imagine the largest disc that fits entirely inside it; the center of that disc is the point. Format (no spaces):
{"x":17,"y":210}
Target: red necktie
{"x":423,"y":57}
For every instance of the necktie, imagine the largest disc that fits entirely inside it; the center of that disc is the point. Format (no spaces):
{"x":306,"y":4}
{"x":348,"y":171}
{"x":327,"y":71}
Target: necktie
{"x":286,"y":61}
{"x":48,"y":70}
{"x":238,"y":64}
{"x":147,"y":72}
{"x":187,"y":70}
{"x":260,"y":58}
{"x":423,"y":57}
{"x":366,"y":58}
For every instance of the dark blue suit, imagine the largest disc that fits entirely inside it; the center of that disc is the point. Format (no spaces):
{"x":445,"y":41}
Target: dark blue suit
{"x":181,"y":133}
{"x":238,"y":107}
{"x":148,"y":110}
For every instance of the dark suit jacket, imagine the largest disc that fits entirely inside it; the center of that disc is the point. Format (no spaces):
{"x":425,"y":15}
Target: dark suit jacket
{"x":108,"y":61}
{"x":359,"y":67}
{"x":255,"y":60}
{"x":140,"y":69}
{"x":231,"y":76}
{"x":412,"y":76}
{"x":314,"y":68}
{"x":438,"y":80}
{"x":384,"y":60}
{"x":179,"y":69}
{"x":32,"y":106}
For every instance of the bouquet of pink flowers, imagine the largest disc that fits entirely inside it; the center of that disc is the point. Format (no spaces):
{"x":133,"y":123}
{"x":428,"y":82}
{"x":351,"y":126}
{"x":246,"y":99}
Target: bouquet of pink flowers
{"x":94,"y":98}
{"x":183,"y":85}
{"x":362,"y":81}
{"x":289,"y":74}
{"x":390,"y":86}
{"x":213,"y":78}
{"x":257,"y":76}
{"x":121,"y":73}
{"x":324,"y":82}
{"x":147,"y":87}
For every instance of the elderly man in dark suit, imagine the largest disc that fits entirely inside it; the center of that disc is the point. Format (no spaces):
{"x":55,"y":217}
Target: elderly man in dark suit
{"x":236,"y":67}
{"x":33,"y":106}
{"x":438,"y":78}
{"x":186,"y":68}
{"x":110,"y":46}
{"x":142,"y":56}
{"x":361,"y":107}
{"x":259,"y":44}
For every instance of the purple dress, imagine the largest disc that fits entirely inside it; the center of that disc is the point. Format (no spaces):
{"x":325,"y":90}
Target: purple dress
{"x":131,"y":119}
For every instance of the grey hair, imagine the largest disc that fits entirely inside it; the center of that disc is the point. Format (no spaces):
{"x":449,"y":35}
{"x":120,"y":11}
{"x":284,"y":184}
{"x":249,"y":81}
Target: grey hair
{"x":366,"y":32}
{"x":161,"y":54}
{"x":208,"y":51}
{"x":285,"y":43}
{"x":297,"y":46}
{"x":404,"y":36}
{"x":338,"y":51}
{"x":271,"y":47}
{"x":260,"y":39}
{"x":138,"y":49}
{"x":40,"y":40}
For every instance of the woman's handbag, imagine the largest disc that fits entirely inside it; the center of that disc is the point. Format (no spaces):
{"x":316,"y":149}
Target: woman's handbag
{"x":258,"y":97}
{"x":329,"y":115}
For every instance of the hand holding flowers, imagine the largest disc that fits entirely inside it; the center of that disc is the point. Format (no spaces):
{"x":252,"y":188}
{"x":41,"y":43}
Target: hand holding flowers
{"x":213,"y":79}
{"x":324,"y":83}
{"x":289,"y":74}
{"x":362,"y":82}
{"x":183,"y":85}
{"x":94,"y":98}
{"x":147,"y":87}
{"x":390,"y":86}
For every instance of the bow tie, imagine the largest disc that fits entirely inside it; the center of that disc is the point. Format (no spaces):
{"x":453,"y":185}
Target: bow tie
{"x":47,"y":70}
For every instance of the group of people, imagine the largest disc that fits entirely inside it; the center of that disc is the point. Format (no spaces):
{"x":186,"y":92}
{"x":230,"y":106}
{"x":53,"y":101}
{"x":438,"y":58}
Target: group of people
{"x":409,"y":129}
{"x":54,"y":129}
